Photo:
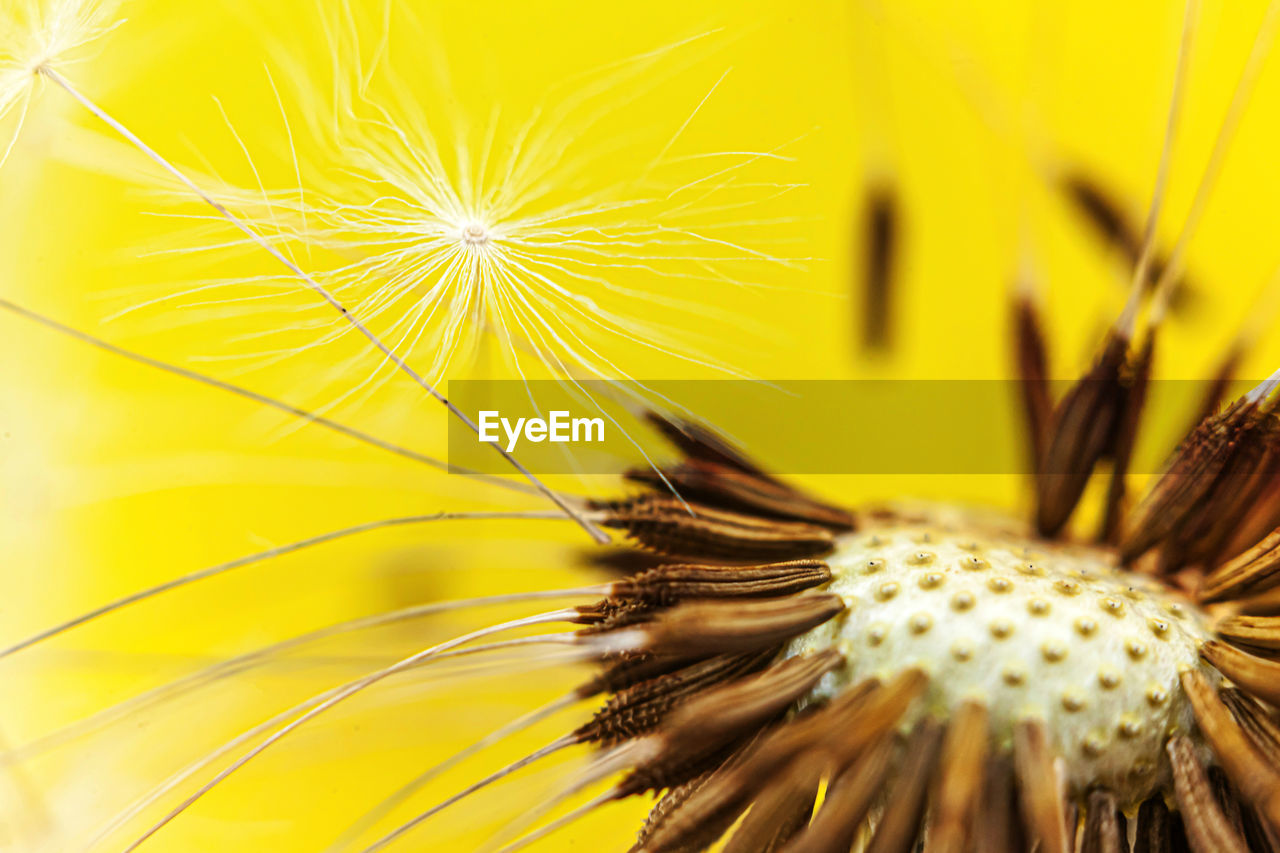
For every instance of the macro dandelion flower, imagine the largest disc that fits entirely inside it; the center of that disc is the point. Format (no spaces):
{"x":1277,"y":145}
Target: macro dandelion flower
{"x":781,"y":670}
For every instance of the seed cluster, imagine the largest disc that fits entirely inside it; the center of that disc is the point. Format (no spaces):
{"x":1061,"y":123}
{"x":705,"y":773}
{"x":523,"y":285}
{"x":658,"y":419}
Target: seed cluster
{"x":1032,"y":630}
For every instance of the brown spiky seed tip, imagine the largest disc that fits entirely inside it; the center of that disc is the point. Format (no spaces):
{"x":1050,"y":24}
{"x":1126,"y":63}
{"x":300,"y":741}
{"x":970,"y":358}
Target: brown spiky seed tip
{"x":1032,"y":631}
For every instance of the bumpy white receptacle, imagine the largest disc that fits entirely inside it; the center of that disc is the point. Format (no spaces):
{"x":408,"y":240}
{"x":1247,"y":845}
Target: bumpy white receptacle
{"x":1031,"y":629}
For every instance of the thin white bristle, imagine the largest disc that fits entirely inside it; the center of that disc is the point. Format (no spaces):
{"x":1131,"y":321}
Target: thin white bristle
{"x":305,"y":416}
{"x":613,"y":642}
{"x":630,"y":754}
{"x":280,"y":550}
{"x":152,"y":797}
{"x":537,"y":755}
{"x":386,"y":806}
{"x":1244,"y":89}
{"x":245,"y":661}
{"x":560,"y":823}
{"x":1264,"y":388}
{"x":343,"y":693}
{"x":1129,"y":317}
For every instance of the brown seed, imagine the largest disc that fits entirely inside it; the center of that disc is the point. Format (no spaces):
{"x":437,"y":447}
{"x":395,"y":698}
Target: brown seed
{"x":1261,"y":632}
{"x":672,"y":811}
{"x":1127,"y":429}
{"x":1259,"y":782}
{"x":1224,"y":794}
{"x":1257,"y":520}
{"x":700,"y":629}
{"x":997,"y":826}
{"x":1216,"y":473}
{"x":1104,"y":213}
{"x":1104,"y":827}
{"x":901,"y":821}
{"x":698,"y":442}
{"x":665,"y":585}
{"x":880,"y":226}
{"x":1207,"y":829}
{"x":1263,"y":731}
{"x":1083,"y":432}
{"x":781,"y":810}
{"x":1257,"y":676}
{"x":1157,"y":828}
{"x":732,"y":489}
{"x":960,"y":779}
{"x":664,"y":524}
{"x":640,"y":708}
{"x":846,"y":804}
{"x":1041,"y":799}
{"x":1033,"y":377}
{"x":1263,"y":604}
{"x":1255,"y":571}
{"x":700,"y":728}
{"x":706,"y":813}
{"x":1119,"y":229}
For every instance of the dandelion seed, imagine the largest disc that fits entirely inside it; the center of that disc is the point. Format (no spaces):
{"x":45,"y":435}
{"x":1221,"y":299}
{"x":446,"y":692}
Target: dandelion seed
{"x":36,"y":35}
{"x":500,"y":238}
{"x":42,"y":32}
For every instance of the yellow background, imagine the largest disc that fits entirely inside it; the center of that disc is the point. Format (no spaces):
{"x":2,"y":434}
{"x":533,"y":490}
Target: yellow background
{"x":115,"y":476}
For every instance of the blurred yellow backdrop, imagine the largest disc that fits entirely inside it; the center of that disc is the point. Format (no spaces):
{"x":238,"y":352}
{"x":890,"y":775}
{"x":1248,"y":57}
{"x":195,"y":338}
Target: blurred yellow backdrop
{"x":114,"y":476}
